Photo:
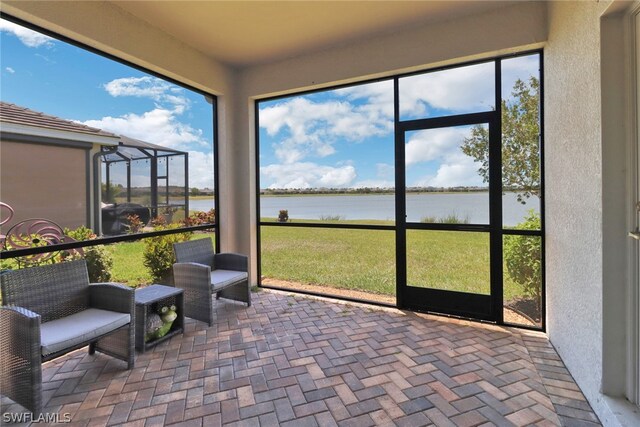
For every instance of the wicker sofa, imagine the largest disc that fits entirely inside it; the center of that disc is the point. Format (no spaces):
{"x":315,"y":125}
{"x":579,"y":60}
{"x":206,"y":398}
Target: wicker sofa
{"x":200,"y":272}
{"x":51,"y":310}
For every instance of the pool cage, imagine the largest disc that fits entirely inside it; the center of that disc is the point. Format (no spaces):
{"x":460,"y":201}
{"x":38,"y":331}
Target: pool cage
{"x":143,"y":179}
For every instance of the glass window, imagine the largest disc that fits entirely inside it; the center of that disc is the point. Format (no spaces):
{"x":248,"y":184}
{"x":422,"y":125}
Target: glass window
{"x":520,"y":139}
{"x":349,"y":263}
{"x":96,"y":144}
{"x":449,"y":260}
{"x":523,"y":280}
{"x":329,"y":156}
{"x":459,"y":90}
{"x":445,"y":175}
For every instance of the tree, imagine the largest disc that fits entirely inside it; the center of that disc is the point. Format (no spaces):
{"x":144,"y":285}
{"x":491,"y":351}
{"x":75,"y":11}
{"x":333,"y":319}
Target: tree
{"x":195,"y":191}
{"x":520,"y":142}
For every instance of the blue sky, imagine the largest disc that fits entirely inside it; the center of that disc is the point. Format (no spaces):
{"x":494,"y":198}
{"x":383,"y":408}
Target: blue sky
{"x":338,"y":138}
{"x":55,"y":78}
{"x":344,"y":137}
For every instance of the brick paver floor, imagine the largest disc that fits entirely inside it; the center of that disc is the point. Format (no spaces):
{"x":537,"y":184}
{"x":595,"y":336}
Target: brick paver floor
{"x":300,"y":361}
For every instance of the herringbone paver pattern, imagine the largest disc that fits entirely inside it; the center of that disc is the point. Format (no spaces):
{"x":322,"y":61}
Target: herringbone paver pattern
{"x":296,"y":361}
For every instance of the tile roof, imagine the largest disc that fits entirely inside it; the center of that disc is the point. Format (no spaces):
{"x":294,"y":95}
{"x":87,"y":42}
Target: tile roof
{"x":11,"y":113}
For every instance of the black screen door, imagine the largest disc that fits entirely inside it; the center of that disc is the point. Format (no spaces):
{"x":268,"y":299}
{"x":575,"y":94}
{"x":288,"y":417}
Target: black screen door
{"x":449,"y":219}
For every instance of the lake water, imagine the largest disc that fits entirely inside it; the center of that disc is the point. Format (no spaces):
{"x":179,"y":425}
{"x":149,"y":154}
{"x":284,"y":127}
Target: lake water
{"x":471,"y":206}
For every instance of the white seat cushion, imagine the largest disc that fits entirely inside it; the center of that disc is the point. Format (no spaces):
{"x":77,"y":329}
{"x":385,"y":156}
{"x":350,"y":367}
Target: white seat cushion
{"x":81,"y":327}
{"x":220,"y":279}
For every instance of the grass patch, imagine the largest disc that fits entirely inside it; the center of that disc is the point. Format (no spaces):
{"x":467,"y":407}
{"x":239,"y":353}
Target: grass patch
{"x":365,"y":260}
{"x":448,"y":260}
{"x":332,"y":218}
{"x":452,"y":218}
{"x":362,"y":260}
{"x":128,"y":266}
{"x":349,"y":259}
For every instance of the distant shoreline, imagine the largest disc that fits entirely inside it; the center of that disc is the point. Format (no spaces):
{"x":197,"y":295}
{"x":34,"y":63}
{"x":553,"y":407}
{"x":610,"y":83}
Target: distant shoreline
{"x":368,"y":193}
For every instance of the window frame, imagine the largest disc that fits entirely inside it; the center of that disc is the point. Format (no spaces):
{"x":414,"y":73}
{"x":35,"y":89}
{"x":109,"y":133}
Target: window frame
{"x":398,"y":227}
{"x":209,"y":97}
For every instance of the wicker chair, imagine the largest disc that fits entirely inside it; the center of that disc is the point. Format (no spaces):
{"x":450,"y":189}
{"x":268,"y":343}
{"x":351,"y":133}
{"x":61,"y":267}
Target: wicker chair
{"x":200,"y":272}
{"x":51,"y":310}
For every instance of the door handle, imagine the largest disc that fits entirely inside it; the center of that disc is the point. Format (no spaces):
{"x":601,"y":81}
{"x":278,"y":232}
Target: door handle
{"x":635,"y":234}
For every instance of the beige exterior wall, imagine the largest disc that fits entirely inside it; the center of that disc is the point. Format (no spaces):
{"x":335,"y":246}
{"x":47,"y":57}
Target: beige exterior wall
{"x":573,"y":162}
{"x":40,"y":181}
{"x":588,"y":202}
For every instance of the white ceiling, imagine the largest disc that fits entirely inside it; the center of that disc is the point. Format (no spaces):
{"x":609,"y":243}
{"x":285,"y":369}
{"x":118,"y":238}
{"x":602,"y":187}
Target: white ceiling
{"x":243,"y":33}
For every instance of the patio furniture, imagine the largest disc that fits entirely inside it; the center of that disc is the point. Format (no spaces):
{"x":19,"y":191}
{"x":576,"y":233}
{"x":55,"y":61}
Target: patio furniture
{"x":200,"y":272}
{"x":51,"y":310}
{"x":149,"y":300}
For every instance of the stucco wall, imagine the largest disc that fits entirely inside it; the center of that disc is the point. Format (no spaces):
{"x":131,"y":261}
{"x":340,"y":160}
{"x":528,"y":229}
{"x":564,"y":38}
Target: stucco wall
{"x":573,"y":161}
{"x":40,"y":181}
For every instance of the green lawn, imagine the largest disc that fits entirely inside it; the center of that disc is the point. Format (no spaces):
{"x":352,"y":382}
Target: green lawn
{"x":128,"y":266}
{"x":350,"y":259}
{"x":127,"y":263}
{"x":365,"y":260}
{"x":353,"y":259}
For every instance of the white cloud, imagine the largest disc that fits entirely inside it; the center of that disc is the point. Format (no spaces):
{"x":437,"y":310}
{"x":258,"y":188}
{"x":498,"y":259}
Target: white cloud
{"x":10,"y":70}
{"x":384,"y":170}
{"x":429,"y":145}
{"x":441,"y":147}
{"x":314,"y":127}
{"x":162,"y":125}
{"x":26,"y":36}
{"x":137,"y":180}
{"x":148,"y":87}
{"x":458,"y":171}
{"x":466,"y":89}
{"x":200,"y":172}
{"x":522,"y":67}
{"x":201,"y":169}
{"x":158,"y":126}
{"x":308,"y":175}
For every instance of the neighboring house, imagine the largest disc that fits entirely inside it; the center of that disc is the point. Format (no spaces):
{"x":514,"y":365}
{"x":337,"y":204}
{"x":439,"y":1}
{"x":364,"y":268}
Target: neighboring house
{"x":47,"y":171}
{"x":48,"y":160}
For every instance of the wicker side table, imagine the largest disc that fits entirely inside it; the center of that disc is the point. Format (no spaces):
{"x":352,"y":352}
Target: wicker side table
{"x":149,"y":300}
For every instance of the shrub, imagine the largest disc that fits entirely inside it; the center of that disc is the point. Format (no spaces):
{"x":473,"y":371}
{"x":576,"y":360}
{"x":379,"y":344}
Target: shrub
{"x":523,"y":258}
{"x":159,"y":221}
{"x":158,"y":253}
{"x":200,"y":217}
{"x":99,"y":260}
{"x":135,"y":225}
{"x":283,"y":215}
{"x":8,"y":264}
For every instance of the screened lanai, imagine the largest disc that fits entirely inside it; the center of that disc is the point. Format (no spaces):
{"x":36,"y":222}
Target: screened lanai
{"x":590,"y":176}
{"x":143,"y":179}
